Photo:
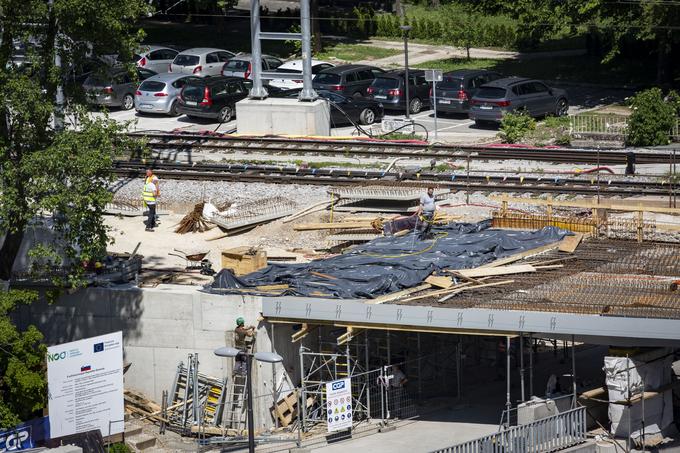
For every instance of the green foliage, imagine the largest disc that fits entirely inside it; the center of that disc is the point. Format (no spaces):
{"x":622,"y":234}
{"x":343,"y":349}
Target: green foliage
{"x":515,"y":126}
{"x":652,"y":118}
{"x":119,"y":447}
{"x":45,"y":170}
{"x":22,"y":375}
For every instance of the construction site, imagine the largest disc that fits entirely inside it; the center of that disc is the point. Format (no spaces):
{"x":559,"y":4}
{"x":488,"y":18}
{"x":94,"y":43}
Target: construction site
{"x":538,"y":310}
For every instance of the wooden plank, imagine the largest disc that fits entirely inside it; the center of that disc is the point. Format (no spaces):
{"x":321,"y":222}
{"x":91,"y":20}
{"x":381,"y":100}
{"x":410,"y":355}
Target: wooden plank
{"x":439,"y":281}
{"x":308,"y":210}
{"x":588,"y":204}
{"x":458,"y":291}
{"x":398,"y":294}
{"x":570,"y":243}
{"x":521,"y":255}
{"x":491,"y":271}
{"x":331,"y":226}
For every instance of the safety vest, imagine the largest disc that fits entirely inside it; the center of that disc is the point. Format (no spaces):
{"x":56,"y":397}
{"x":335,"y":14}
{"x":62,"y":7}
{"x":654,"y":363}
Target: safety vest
{"x":148,"y":195}
{"x":151,"y":178}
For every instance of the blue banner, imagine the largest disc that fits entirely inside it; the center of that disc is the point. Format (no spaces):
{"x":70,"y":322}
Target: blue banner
{"x":30,"y":434}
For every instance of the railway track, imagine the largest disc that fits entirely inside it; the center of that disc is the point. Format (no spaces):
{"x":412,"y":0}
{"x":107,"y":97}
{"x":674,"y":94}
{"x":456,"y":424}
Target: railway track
{"x":187,"y":143}
{"x":458,"y":182}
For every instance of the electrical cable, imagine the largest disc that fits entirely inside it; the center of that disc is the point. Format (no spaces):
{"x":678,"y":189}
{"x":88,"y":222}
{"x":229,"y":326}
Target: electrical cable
{"x":419,"y":252}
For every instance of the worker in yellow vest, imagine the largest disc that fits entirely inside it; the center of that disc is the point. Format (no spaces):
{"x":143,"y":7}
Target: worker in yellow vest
{"x":149,"y":195}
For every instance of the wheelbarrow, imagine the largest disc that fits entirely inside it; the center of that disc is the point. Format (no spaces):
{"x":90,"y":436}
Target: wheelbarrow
{"x":195,"y":261}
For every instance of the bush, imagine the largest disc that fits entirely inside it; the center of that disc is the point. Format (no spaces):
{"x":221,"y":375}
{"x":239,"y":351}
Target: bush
{"x":515,"y":126}
{"x":651,"y":120}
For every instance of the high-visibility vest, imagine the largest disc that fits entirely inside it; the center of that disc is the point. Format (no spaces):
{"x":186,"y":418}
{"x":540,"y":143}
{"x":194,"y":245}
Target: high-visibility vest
{"x":151,"y":178}
{"x":148,"y":195}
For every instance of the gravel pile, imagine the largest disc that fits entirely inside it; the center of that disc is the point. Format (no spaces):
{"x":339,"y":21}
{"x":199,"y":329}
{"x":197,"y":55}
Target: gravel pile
{"x":219,"y":192}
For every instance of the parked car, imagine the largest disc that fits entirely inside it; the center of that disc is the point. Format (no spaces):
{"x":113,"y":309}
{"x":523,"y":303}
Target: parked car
{"x":242,"y":65}
{"x":200,"y":61}
{"x":514,"y":94}
{"x":350,"y":79}
{"x":345,"y":109}
{"x":458,"y":87}
{"x":212,"y":97}
{"x":114,"y":87}
{"x":295,"y":67}
{"x":390,"y":89}
{"x":155,"y":58}
{"x":158,"y":94}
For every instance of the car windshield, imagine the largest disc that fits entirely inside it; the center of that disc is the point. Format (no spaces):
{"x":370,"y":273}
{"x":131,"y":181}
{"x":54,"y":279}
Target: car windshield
{"x":490,"y":93}
{"x":327,"y":78}
{"x":186,"y":60}
{"x":385,"y":82}
{"x":151,"y":85}
{"x":193,"y":92}
{"x":237,"y":65}
{"x":451,"y":83}
{"x":288,"y":70}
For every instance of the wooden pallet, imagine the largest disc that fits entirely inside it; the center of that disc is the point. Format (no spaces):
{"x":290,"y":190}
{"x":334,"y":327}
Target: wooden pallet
{"x":285,"y":410}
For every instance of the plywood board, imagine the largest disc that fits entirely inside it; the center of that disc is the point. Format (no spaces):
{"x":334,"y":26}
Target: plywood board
{"x":570,"y":243}
{"x":439,"y":281}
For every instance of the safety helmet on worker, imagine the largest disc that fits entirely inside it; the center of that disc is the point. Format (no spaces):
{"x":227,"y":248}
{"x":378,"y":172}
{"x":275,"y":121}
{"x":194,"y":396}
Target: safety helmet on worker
{"x":240,"y":321}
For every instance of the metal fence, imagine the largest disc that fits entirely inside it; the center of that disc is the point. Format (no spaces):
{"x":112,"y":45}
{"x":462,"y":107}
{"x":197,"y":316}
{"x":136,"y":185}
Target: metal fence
{"x":544,"y":435}
{"x":610,"y":126}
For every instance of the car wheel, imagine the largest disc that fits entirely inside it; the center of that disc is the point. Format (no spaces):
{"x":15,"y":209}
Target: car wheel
{"x":173,"y":109}
{"x":357,"y":95}
{"x":128,"y":102}
{"x":562,"y":107}
{"x":415,"y":105}
{"x":367,"y":117}
{"x":226,"y":114}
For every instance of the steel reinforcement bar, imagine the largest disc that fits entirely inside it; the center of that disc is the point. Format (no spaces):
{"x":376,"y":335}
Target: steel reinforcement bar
{"x":191,"y":142}
{"x":295,"y":175}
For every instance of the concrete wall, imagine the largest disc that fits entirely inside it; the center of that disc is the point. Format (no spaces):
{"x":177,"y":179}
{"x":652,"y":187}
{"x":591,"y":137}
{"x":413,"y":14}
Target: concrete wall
{"x":161,"y":326}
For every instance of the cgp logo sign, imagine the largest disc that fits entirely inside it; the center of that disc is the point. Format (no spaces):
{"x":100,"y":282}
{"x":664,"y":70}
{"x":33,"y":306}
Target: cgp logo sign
{"x":338,"y":385}
{"x":15,"y":441}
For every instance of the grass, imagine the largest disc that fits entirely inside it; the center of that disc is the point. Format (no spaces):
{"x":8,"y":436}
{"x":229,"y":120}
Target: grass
{"x":578,"y":69}
{"x":354,"y":52}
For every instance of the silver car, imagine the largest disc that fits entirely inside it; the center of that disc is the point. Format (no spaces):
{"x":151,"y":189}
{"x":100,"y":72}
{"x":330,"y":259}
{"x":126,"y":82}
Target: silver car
{"x":158,"y":94}
{"x":200,"y":61}
{"x":242,"y":65}
{"x":155,"y":58}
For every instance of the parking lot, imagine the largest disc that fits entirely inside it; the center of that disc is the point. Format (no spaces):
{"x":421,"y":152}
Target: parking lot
{"x":450,"y":128}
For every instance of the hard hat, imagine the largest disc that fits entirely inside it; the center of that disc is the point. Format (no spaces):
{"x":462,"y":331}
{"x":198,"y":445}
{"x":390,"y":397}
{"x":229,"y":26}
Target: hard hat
{"x":240,"y":321}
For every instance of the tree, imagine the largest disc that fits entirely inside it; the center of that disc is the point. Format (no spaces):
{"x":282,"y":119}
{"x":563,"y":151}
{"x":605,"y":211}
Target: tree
{"x":22,"y":355}
{"x":44,"y":169}
{"x":648,"y":21}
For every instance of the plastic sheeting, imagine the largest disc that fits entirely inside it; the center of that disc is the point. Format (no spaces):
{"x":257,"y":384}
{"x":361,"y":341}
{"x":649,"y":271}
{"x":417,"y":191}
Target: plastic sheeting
{"x":389,"y":264}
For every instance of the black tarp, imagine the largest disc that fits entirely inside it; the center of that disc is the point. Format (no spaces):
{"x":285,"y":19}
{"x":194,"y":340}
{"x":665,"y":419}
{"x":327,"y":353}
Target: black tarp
{"x":389,"y":263}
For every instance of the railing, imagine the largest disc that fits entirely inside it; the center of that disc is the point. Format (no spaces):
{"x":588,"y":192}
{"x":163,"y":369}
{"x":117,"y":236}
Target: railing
{"x":544,"y":435}
{"x":614,"y":126}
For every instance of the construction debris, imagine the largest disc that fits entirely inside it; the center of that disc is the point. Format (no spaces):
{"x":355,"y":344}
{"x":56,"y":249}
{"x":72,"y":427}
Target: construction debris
{"x":194,"y":222}
{"x":242,"y":218}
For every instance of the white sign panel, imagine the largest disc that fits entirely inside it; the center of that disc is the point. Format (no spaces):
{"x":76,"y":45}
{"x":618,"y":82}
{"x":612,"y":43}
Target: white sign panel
{"x":434,"y":75}
{"x":85,"y":386}
{"x":339,"y":404}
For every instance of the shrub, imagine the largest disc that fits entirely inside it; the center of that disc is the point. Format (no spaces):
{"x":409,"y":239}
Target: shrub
{"x":515,"y":126}
{"x":651,"y":120}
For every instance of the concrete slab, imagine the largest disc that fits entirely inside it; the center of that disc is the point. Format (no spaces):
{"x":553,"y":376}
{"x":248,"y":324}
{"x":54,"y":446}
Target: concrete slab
{"x":283,"y":116}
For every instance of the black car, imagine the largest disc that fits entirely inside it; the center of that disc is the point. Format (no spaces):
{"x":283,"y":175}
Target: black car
{"x":349,"y":80}
{"x":212,"y":97}
{"x":458,"y":87}
{"x":389,"y":88}
{"x":344,"y":109}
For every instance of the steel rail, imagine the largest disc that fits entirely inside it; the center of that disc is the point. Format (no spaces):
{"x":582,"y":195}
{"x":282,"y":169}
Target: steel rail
{"x":187,"y":142}
{"x":295,"y":175}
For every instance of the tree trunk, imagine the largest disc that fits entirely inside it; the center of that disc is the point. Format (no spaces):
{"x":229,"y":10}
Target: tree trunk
{"x":9,"y":251}
{"x":398,"y":8}
{"x":435,"y":3}
{"x":662,"y":60}
{"x":316,"y":26}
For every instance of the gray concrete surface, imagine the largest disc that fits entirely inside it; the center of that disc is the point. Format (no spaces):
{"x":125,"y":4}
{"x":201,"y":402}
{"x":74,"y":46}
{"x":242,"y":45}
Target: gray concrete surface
{"x":275,"y":116}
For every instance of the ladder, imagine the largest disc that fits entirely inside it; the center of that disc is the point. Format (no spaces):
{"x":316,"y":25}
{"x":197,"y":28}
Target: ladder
{"x":235,"y":399}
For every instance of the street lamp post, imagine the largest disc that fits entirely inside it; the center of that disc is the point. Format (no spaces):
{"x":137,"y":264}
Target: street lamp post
{"x":268,"y":357}
{"x":406,"y":29}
